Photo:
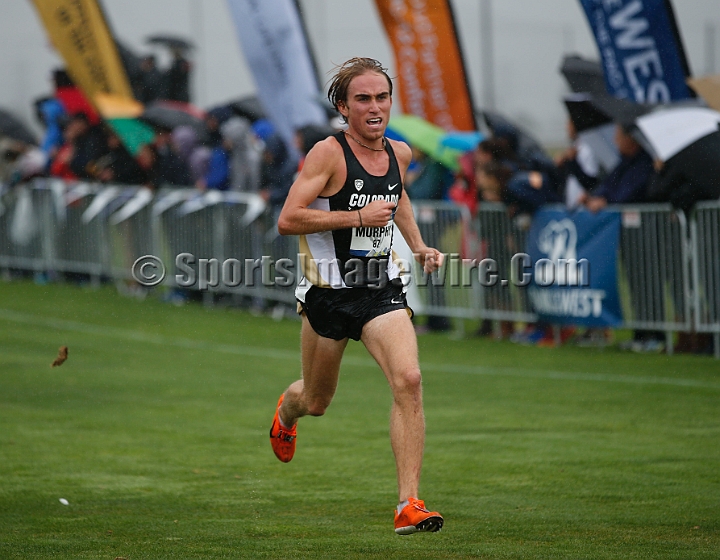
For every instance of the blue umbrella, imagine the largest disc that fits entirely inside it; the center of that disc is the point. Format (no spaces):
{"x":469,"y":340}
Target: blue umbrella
{"x":463,"y":141}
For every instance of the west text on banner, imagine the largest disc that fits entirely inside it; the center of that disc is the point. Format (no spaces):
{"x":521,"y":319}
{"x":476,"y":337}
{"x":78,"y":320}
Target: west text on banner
{"x":641,"y":49}
{"x":79,"y":32}
{"x":277,"y":51}
{"x":431,"y":74}
{"x":574,"y":267}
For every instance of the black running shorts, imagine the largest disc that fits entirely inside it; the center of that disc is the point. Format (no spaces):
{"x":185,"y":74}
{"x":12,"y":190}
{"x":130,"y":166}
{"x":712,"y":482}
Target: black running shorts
{"x":342,"y":313}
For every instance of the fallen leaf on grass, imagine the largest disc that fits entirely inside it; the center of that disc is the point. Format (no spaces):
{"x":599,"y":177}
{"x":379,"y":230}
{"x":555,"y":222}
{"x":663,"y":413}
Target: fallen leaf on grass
{"x":61,"y":357}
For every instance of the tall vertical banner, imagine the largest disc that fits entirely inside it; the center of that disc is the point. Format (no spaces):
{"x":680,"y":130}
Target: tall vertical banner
{"x":641,"y":49}
{"x":277,"y":51}
{"x":79,"y":32}
{"x":432,"y":79}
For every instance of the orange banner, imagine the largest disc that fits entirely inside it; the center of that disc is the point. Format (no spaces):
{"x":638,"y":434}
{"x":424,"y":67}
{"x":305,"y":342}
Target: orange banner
{"x":432,"y":81}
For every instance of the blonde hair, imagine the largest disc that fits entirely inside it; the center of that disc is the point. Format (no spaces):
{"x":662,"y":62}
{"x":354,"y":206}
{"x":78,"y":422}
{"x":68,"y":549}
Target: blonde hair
{"x":345,"y":73}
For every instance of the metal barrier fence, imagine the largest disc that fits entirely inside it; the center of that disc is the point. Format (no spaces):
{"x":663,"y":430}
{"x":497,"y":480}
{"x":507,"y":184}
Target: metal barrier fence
{"x":705,"y":247}
{"x":654,"y":273}
{"x":668,"y":271}
{"x":654,"y":265}
{"x":101,"y":231}
{"x":498,"y":236}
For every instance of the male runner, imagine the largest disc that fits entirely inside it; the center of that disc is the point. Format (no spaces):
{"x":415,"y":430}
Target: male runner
{"x":344,"y":205}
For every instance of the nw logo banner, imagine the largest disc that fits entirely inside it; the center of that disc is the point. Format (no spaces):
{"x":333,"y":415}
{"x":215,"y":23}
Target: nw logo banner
{"x":574,"y":259}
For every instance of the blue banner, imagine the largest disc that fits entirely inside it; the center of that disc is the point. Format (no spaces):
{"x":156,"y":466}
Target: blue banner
{"x":642,"y":53}
{"x":574,"y":267}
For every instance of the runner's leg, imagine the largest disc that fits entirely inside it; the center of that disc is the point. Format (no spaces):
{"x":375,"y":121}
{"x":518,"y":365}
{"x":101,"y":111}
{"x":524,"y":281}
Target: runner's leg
{"x":391,"y":340}
{"x":320,"y":369}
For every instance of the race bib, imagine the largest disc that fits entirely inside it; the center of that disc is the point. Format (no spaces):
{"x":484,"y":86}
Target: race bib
{"x":372,"y":241}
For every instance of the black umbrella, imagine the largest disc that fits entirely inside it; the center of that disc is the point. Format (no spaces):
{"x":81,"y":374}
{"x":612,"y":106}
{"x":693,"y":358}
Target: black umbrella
{"x":583,"y":113}
{"x":583,"y":75}
{"x":621,"y":111}
{"x":11,"y":127}
{"x":691,"y":175}
{"x":520,"y":141}
{"x":248,"y":107}
{"x":167,"y":118}
{"x":170,"y":41}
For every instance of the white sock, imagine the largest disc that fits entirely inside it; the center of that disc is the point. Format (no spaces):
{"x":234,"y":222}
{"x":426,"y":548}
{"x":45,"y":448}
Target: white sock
{"x":281,"y":422}
{"x":402,"y":505}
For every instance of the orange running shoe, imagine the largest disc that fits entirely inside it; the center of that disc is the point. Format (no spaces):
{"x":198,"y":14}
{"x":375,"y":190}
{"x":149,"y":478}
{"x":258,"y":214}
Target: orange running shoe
{"x":414,"y":518}
{"x":282,"y":439}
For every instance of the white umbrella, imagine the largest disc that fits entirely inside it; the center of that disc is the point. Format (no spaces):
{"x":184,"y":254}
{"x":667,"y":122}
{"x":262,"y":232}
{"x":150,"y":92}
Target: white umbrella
{"x":671,"y":130}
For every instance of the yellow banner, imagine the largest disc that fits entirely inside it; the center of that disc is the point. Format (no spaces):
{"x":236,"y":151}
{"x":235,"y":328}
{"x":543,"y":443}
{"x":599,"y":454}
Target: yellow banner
{"x":79,"y":32}
{"x":429,"y":63}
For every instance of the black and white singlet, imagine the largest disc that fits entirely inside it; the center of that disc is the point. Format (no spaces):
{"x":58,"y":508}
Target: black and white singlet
{"x":328,"y":259}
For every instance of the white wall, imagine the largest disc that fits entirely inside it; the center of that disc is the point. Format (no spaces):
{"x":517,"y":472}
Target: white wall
{"x":529,"y":40}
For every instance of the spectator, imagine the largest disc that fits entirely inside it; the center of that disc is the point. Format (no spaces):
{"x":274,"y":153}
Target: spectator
{"x":217,"y":173}
{"x":118,"y":166}
{"x":60,"y":164}
{"x":162,"y":164}
{"x":184,"y":140}
{"x":82,"y":146}
{"x":428,"y":179}
{"x":52,"y":115}
{"x":628,"y":181}
{"x":492,"y":179}
{"x":152,"y":83}
{"x":72,"y":99}
{"x":277,"y":172}
{"x":690,"y":176}
{"x":177,"y":78}
{"x":307,"y":136}
{"x":529,"y":190}
{"x":245,"y":154}
{"x":89,"y":144}
{"x":464,"y":189}
{"x":496,"y":149}
{"x":21,"y":161}
{"x":580,"y":167}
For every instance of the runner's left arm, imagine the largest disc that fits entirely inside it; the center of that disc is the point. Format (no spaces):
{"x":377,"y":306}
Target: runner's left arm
{"x":430,"y":258}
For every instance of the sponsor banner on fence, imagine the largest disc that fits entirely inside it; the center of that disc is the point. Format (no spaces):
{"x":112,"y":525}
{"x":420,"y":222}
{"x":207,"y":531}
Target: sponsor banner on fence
{"x":430,"y":68}
{"x":79,"y":32}
{"x":642,"y":53}
{"x":277,"y":51}
{"x":574,"y":267}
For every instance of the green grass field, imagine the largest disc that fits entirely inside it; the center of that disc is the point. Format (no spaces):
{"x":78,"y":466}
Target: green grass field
{"x":155,"y":431}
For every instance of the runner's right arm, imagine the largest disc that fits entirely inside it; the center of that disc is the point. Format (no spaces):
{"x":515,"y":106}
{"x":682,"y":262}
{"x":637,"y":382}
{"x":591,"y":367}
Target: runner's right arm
{"x":323,"y":174}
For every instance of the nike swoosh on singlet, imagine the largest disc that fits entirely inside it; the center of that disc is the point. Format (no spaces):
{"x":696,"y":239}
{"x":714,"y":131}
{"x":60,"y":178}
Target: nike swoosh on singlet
{"x":391,"y":188}
{"x":393,"y":301}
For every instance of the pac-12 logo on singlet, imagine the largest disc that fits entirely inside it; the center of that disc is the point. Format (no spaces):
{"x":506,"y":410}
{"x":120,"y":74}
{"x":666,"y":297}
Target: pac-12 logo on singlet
{"x":358,"y":184}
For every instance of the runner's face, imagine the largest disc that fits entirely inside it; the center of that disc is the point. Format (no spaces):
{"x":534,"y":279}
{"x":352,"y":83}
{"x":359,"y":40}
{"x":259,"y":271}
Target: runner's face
{"x":368,"y":105}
